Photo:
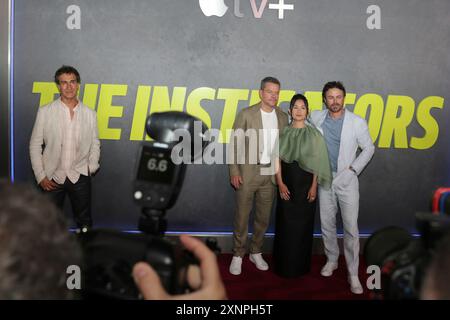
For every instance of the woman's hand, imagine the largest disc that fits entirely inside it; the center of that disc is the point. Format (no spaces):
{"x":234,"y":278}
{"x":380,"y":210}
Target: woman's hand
{"x":284,"y":191}
{"x":312,"y":193}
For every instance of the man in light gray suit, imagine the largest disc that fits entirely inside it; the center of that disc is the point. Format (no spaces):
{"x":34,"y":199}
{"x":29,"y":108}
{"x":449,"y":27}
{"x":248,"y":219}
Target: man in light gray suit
{"x":344,"y":133}
{"x":254,"y":180}
{"x":65,"y":149}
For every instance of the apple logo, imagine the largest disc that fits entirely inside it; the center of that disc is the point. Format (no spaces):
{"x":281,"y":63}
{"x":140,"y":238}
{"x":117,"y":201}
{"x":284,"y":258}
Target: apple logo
{"x":213,"y":7}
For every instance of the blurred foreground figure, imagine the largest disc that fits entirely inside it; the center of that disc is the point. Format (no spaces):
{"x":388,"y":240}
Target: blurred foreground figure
{"x":36,"y":247}
{"x":437,"y":280}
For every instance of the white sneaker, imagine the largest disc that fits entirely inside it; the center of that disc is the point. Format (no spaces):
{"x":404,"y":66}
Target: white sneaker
{"x":355,"y":285}
{"x":328,"y":269}
{"x":236,"y":266}
{"x":258,"y":260}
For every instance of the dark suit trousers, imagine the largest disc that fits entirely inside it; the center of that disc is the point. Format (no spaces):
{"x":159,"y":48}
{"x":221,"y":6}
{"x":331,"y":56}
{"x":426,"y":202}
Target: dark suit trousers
{"x":80,"y":198}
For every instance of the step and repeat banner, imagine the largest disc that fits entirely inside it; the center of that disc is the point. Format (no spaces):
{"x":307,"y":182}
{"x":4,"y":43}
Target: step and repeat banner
{"x":207,"y":58}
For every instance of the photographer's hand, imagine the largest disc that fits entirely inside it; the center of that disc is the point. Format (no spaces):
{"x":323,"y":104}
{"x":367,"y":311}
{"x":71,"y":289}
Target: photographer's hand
{"x":211,"y":285}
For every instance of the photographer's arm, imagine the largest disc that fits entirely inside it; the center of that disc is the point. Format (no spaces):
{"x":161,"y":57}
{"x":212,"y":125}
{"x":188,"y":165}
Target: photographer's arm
{"x":211,"y":287}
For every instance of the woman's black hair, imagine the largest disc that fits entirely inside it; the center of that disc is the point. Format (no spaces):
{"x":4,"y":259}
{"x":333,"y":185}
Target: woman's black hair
{"x":296,"y":97}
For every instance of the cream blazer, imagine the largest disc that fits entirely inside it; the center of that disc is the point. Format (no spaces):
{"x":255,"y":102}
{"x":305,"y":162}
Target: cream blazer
{"x":46,"y":141}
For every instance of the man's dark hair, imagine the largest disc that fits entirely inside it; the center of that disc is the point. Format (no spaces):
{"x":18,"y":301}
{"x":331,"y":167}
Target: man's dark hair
{"x":269,"y":80}
{"x":437,"y":279}
{"x":36,"y":247}
{"x":332,"y":85}
{"x":69,"y":70}
{"x":296,"y":97}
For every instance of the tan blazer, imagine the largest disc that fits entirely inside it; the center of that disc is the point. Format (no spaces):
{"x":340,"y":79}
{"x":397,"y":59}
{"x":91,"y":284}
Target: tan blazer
{"x":250,"y":118}
{"x":47,"y":131}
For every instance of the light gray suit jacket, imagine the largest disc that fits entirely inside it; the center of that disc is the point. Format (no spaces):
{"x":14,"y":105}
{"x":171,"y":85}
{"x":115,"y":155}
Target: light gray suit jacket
{"x":354,"y":135}
{"x":46,"y":141}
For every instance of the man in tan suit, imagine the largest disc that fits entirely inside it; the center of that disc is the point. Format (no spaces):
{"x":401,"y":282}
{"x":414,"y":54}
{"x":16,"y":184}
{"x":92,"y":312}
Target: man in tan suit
{"x":253,"y":178}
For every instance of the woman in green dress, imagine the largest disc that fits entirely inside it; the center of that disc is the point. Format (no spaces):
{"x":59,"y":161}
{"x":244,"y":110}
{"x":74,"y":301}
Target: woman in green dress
{"x":303,"y":164}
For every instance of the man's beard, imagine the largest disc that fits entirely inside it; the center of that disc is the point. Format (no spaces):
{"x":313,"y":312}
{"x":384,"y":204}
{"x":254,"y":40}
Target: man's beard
{"x":335,"y":108}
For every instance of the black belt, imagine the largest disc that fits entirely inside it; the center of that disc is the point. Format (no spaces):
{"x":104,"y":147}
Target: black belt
{"x":264,"y":165}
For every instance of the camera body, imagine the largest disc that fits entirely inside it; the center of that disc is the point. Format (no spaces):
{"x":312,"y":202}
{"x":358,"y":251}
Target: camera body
{"x":157,"y":185}
{"x":109,"y":255}
{"x":402,"y":258}
{"x":158,"y":179}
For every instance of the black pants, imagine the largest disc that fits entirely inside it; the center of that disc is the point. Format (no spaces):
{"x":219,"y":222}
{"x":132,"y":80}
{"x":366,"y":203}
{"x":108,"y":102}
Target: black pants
{"x":80,"y":198}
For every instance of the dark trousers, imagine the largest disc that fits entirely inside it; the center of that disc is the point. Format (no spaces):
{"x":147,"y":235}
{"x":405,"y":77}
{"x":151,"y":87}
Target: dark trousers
{"x":80,"y":198}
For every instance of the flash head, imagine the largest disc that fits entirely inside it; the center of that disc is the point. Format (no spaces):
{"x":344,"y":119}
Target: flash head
{"x":173,"y":126}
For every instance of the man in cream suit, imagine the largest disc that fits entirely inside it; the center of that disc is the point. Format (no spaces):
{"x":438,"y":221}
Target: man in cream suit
{"x":65,"y":149}
{"x":344,"y":133}
{"x":253,"y":178}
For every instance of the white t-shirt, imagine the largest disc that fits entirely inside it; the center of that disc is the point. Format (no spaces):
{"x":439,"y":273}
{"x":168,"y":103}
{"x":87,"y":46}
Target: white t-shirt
{"x":270,"y":130}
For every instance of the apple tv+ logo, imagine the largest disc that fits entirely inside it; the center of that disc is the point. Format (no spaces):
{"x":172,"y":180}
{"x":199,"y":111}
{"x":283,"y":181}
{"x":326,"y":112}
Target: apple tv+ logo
{"x":218,"y":8}
{"x":213,"y":7}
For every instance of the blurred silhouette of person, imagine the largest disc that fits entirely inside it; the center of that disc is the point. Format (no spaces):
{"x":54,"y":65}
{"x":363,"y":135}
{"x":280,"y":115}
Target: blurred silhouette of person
{"x":36,"y":247}
{"x":436,"y":285}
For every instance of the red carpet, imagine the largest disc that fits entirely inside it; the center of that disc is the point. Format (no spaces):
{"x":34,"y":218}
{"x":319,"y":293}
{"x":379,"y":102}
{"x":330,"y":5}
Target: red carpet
{"x":254,"y":284}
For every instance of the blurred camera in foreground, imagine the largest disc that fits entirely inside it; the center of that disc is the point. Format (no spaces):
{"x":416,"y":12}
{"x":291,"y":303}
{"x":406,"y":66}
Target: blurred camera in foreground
{"x":403,"y":259}
{"x":110,"y":255}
